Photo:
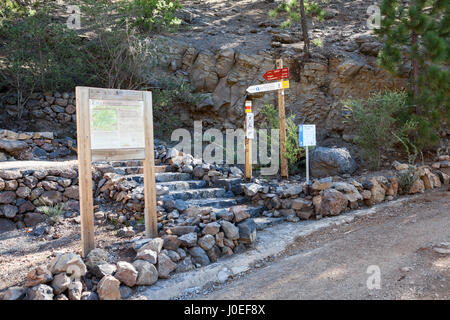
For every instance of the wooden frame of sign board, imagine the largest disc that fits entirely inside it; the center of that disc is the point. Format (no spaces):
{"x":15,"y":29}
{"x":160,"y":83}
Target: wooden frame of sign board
{"x":86,"y":154}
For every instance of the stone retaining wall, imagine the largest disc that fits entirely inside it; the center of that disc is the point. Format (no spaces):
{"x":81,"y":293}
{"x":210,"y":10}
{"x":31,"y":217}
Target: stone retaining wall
{"x":34,"y":146}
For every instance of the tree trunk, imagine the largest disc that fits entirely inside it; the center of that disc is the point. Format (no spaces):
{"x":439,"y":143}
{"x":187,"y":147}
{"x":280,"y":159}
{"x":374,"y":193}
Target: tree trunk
{"x":304,"y":27}
{"x":415,"y":75}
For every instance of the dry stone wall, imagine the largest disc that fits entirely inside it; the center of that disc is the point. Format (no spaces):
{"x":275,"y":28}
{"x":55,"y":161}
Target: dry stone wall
{"x":34,"y":146}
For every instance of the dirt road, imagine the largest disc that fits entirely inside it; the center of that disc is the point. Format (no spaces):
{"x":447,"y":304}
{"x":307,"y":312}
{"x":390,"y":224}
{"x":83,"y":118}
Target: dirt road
{"x":333,"y":264}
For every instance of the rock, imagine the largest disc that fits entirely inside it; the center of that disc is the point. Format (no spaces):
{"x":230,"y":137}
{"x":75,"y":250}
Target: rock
{"x":185,"y":265}
{"x":235,"y":171}
{"x":72,"y":192}
{"x":293,"y":191}
{"x":105,"y":269}
{"x":240,"y":213}
{"x":33,"y":218}
{"x":171,"y":242}
{"x":108,"y":288}
{"x":377,"y":192}
{"x":322,"y":184}
{"x":9,"y":211}
{"x":60,"y":283}
{"x":50,"y":198}
{"x":9,"y":174}
{"x":251,"y":189}
{"x":247,"y":231}
{"x":165,"y":266}
{"x":7,"y":197}
{"x":180,"y":230}
{"x":331,"y":161}
{"x":126,"y":273}
{"x":147,"y":273}
{"x":333,"y":202}
{"x":199,"y":256}
{"x":349,"y":68}
{"x":70,"y":263}
{"x":417,"y":187}
{"x":300,"y":204}
{"x":211,"y":228}
{"x":6,"y":225}
{"x":203,"y":76}
{"x":125,"y":292}
{"x":12,"y":146}
{"x":231,"y":231}
{"x":14,"y":293}
{"x":155,"y":244}
{"x":224,"y":62}
{"x":89,"y":295}
{"x":147,"y":255}
{"x":75,"y":289}
{"x":188,"y":240}
{"x":207,"y":242}
{"x":40,"y":292}
{"x":96,"y":257}
{"x":23,"y":192}
{"x":39,"y":275}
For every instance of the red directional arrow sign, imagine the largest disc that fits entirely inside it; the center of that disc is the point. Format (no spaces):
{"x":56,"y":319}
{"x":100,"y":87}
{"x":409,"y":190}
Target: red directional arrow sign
{"x":277,"y":74}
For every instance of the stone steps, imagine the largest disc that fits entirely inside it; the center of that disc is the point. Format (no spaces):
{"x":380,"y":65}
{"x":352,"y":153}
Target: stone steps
{"x":217,"y":203}
{"x":162,"y":177}
{"x":139,"y":170}
{"x":183,"y":185}
{"x":192,"y":194}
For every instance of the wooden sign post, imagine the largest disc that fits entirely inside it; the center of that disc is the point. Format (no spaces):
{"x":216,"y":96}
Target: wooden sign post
{"x":248,"y":126}
{"x":114,"y":125}
{"x":282,"y":116}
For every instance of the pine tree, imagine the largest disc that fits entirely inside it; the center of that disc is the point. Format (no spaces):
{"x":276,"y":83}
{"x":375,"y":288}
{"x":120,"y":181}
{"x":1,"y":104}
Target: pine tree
{"x":416,"y":32}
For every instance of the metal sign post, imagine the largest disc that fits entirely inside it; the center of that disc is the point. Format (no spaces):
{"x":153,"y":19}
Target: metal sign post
{"x":307,"y":138}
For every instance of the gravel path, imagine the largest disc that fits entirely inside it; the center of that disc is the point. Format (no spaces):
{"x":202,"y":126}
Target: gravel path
{"x":333,"y":264}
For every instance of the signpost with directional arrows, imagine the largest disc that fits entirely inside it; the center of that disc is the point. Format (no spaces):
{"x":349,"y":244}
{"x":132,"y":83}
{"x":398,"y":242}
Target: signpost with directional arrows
{"x":277,"y":74}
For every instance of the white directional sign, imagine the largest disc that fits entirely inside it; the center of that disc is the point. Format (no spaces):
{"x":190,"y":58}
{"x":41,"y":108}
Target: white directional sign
{"x":250,"y":125}
{"x":307,"y":135}
{"x":268,"y":87}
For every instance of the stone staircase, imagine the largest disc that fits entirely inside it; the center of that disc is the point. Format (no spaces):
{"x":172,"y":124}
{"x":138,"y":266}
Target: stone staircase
{"x":184,"y":186}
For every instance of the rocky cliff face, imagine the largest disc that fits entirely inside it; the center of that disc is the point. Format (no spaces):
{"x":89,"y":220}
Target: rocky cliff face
{"x":317,"y":85}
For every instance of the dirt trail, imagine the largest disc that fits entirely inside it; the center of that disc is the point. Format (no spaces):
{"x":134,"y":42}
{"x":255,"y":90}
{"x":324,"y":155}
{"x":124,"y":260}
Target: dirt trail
{"x":333,"y":264}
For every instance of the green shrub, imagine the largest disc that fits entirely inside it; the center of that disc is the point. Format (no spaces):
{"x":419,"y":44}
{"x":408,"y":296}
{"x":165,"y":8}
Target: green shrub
{"x":406,"y":178}
{"x":151,"y":15}
{"x":39,"y":54}
{"x":293,"y":152}
{"x":171,"y":91}
{"x":377,"y":126}
{"x":53,"y":213}
{"x":292,"y":9}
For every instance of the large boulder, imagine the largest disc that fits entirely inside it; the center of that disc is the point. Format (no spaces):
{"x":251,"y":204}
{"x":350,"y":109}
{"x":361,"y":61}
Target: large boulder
{"x":331,"y":161}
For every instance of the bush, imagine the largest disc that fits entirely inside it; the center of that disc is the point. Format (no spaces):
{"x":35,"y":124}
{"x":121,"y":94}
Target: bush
{"x":168,"y":92}
{"x":407,"y":178}
{"x":377,"y":126}
{"x":151,"y":15}
{"x":39,"y":54}
{"x":53,"y":213}
{"x":293,"y":152}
